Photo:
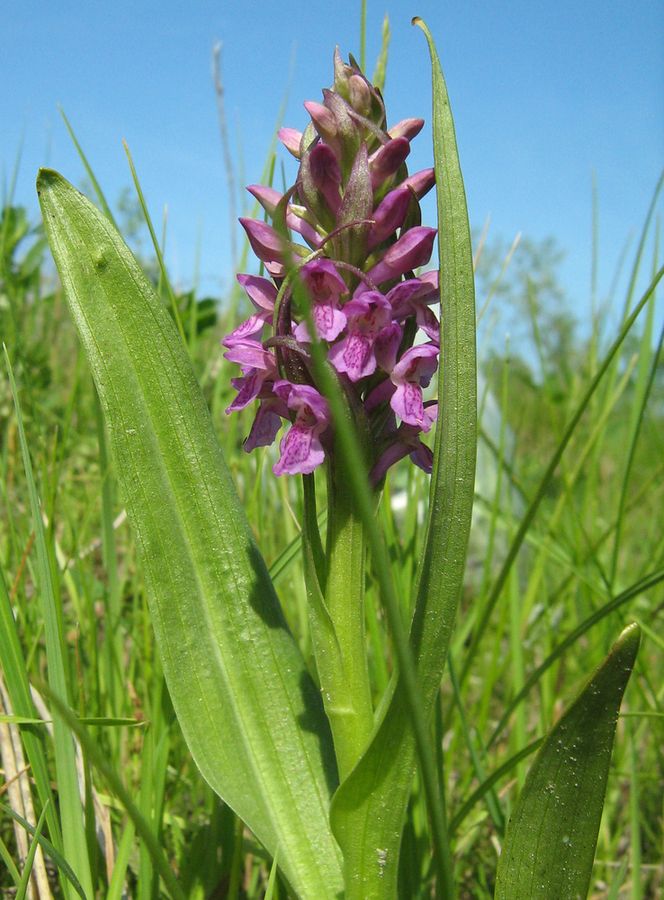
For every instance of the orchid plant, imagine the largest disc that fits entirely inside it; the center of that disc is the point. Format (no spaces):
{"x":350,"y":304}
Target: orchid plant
{"x":341,"y":350}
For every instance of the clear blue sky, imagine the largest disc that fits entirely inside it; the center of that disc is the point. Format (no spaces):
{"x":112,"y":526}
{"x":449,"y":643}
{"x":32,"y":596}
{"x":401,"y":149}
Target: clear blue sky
{"x":544,"y":94}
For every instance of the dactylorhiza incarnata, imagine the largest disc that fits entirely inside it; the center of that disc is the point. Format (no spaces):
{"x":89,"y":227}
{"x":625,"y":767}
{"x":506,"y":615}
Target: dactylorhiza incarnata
{"x":350,"y":228}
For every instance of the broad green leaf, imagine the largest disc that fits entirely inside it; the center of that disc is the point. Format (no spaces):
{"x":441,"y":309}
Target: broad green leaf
{"x":551,"y":836}
{"x":248,"y":710}
{"x":372,"y":801}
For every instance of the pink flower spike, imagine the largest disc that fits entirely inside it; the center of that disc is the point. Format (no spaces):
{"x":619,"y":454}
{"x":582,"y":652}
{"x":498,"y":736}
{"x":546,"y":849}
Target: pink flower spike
{"x":300,"y":452}
{"x":291,"y":139}
{"x":387,"y":346}
{"x":407,"y":443}
{"x":407,"y":296}
{"x":325,"y":287}
{"x":268,"y":197}
{"x":311,"y":236}
{"x":428,"y":322}
{"x":251,"y":355}
{"x":323,"y":281}
{"x":413,"y":249}
{"x":264,"y":240}
{"x":253,"y":325}
{"x":422,"y":456}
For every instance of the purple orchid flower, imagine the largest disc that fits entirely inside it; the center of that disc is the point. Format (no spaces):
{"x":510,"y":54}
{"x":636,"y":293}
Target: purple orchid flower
{"x":367,"y":315}
{"x":269,"y":198}
{"x":410,"y":375}
{"x":291,"y":139}
{"x":325,"y":287}
{"x":300,"y":449}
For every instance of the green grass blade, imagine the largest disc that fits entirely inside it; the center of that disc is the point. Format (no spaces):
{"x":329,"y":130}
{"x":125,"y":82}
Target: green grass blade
{"x":71,"y":813}
{"x":644,"y":584}
{"x":363,"y":34}
{"x":378,"y":77}
{"x":48,"y":849}
{"x":373,"y":800}
{"x":22,"y":889}
{"x":543,"y":486}
{"x":489,"y":783}
{"x":164,"y":279}
{"x":236,"y":678}
{"x":106,"y":209}
{"x":551,"y":837}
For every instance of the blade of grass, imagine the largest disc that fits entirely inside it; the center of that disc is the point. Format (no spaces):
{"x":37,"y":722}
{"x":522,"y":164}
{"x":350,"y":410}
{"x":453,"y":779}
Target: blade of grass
{"x":363,"y":35}
{"x":643,"y":391}
{"x":645,"y":584}
{"x":30,"y":858}
{"x":489,"y":782}
{"x":163,"y":274}
{"x":106,"y":209}
{"x":65,"y":870}
{"x":13,"y":662}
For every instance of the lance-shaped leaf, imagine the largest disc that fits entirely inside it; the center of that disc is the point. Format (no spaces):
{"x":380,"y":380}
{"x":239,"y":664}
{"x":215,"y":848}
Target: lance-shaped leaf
{"x":370,"y":806}
{"x":249,"y":712}
{"x":551,"y":837}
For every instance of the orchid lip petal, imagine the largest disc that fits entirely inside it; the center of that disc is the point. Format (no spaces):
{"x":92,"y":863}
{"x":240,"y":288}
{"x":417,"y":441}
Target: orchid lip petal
{"x":300,"y":452}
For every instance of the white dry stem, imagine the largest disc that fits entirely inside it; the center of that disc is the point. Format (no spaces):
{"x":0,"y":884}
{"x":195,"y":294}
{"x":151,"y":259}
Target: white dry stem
{"x":17,"y":784}
{"x":102,"y":813}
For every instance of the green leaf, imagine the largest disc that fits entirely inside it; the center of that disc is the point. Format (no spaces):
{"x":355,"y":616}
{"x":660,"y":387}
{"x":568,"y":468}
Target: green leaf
{"x":551,"y":837}
{"x":372,"y":801}
{"x":248,"y":709}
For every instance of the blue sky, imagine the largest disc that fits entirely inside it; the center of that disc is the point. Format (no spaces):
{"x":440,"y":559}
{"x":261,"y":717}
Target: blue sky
{"x":544,"y":95}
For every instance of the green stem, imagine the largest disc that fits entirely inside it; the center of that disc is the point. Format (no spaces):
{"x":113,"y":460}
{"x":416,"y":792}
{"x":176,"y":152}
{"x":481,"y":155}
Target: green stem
{"x":347,"y":694}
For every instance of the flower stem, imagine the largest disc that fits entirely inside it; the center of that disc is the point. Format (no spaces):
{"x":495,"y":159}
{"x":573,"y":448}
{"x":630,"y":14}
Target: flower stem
{"x":347,"y":695}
